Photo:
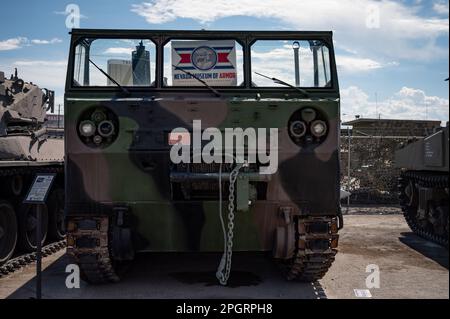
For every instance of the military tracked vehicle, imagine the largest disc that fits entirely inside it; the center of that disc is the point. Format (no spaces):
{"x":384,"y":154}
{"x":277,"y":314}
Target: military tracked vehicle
{"x":423,"y":185}
{"x":149,"y":169}
{"x":25,"y":149}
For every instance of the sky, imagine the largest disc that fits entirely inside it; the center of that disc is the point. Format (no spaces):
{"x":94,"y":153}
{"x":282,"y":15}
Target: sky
{"x":392,"y":56}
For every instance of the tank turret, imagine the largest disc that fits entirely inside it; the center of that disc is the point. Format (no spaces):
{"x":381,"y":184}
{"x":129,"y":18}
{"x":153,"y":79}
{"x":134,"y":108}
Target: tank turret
{"x":23,"y":105}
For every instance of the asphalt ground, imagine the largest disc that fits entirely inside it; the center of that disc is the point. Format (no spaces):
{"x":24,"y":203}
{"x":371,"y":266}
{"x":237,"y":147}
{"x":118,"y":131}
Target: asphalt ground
{"x":398,"y":263}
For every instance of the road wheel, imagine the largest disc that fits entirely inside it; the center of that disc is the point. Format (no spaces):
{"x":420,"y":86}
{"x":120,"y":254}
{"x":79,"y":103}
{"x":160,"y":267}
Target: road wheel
{"x":8,"y":231}
{"x":56,"y":226}
{"x":28,"y":226}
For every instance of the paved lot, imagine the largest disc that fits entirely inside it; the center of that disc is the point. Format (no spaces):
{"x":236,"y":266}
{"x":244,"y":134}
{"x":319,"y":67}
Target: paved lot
{"x":410,"y":267}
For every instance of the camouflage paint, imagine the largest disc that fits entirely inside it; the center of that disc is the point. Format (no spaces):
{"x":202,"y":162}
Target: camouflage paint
{"x":134,"y":170}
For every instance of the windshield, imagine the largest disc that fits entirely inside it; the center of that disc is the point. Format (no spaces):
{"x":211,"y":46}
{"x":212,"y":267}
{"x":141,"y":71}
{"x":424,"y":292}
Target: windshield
{"x":126,"y":62}
{"x":300,"y":63}
{"x":212,"y":63}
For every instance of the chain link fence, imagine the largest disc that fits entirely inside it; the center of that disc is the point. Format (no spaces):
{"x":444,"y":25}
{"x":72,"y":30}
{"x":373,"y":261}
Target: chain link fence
{"x":367,"y":168}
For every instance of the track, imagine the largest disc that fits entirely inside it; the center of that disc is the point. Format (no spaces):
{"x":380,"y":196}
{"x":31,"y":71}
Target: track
{"x":316,"y":240}
{"x":423,"y":179}
{"x":88,"y":244}
{"x":21,"y":261}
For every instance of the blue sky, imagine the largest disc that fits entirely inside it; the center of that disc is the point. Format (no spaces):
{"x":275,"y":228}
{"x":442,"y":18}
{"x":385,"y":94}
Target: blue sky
{"x":392,"y":55}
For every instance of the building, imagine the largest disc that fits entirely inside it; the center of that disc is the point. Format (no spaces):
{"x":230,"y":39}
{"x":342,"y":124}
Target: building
{"x":141,"y":66}
{"x":55,"y":121}
{"x":120,"y":70}
{"x":387,"y":127}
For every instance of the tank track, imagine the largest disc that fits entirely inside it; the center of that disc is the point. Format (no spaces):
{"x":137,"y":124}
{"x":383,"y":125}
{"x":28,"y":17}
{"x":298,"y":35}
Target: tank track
{"x":8,"y":171}
{"x":19,"y":262}
{"x":316,"y":240}
{"x":87,"y":242}
{"x":426,"y":180}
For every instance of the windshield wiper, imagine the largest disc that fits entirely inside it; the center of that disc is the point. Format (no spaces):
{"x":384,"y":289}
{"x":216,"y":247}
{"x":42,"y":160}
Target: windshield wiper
{"x":124,"y":90}
{"x":278,"y":81}
{"x":216,"y":93}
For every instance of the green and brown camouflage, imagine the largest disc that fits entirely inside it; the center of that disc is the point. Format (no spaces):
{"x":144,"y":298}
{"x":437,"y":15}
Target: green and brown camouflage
{"x":153,"y":205}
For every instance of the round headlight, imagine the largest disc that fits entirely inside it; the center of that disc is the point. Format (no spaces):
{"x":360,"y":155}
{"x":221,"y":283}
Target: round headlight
{"x":98,"y":139}
{"x":106,"y":128}
{"x":318,"y":128}
{"x":98,"y":116}
{"x":297,"y":129}
{"x":87,"y":128}
{"x":308,"y":115}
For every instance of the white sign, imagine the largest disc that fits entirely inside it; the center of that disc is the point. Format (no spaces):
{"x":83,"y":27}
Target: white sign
{"x":39,"y":190}
{"x":212,"y":61}
{"x":362,"y":293}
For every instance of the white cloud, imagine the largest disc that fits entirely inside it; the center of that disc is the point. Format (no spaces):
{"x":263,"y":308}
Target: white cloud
{"x":12,"y":44}
{"x":348,"y":63}
{"x":119,"y":51}
{"x":41,"y":63}
{"x":441,"y":7}
{"x":407,"y":103}
{"x":19,"y":42}
{"x":52,"y":41}
{"x":402,"y":33}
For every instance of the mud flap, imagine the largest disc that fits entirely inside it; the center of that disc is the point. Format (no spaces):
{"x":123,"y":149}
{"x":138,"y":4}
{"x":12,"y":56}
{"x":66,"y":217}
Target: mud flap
{"x":122,"y":244}
{"x":122,"y":239}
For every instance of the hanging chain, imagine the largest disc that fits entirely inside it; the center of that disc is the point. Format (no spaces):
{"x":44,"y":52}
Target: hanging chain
{"x":225,"y":264}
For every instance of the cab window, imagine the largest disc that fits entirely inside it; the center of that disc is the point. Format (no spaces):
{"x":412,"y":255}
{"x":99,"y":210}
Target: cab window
{"x":129,"y":62}
{"x":303,"y":63}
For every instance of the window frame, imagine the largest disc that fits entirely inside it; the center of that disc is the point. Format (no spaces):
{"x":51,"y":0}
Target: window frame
{"x":161,"y":37}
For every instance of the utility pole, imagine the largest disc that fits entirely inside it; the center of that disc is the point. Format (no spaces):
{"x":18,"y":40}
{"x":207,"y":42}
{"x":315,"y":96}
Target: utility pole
{"x":296,"y":47}
{"x":348,"y":166}
{"x":376,"y":104}
{"x":59,"y":113}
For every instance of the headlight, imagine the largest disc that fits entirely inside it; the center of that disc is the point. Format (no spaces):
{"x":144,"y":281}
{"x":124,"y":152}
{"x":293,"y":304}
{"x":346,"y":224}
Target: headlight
{"x":297,"y":129}
{"x":87,"y":128}
{"x":318,"y":128}
{"x":98,"y":139}
{"x":308,"y":115}
{"x":98,"y":116}
{"x":106,"y":128}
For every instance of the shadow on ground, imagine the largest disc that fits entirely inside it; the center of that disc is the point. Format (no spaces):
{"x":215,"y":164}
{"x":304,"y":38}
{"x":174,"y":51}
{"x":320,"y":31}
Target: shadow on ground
{"x":180,"y":276}
{"x":429,"y":249}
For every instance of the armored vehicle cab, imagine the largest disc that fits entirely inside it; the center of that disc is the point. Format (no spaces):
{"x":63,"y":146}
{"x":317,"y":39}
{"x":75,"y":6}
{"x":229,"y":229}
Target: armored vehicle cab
{"x":423,"y":185}
{"x":207,"y":141}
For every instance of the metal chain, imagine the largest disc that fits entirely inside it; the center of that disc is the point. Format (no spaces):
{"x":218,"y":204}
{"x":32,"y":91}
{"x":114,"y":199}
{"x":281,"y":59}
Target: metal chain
{"x":223,"y":272}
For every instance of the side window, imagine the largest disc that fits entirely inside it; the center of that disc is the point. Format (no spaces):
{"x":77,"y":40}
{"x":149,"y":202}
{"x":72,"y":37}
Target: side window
{"x":217,"y":62}
{"x":129,"y":62}
{"x":298,"y":62}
